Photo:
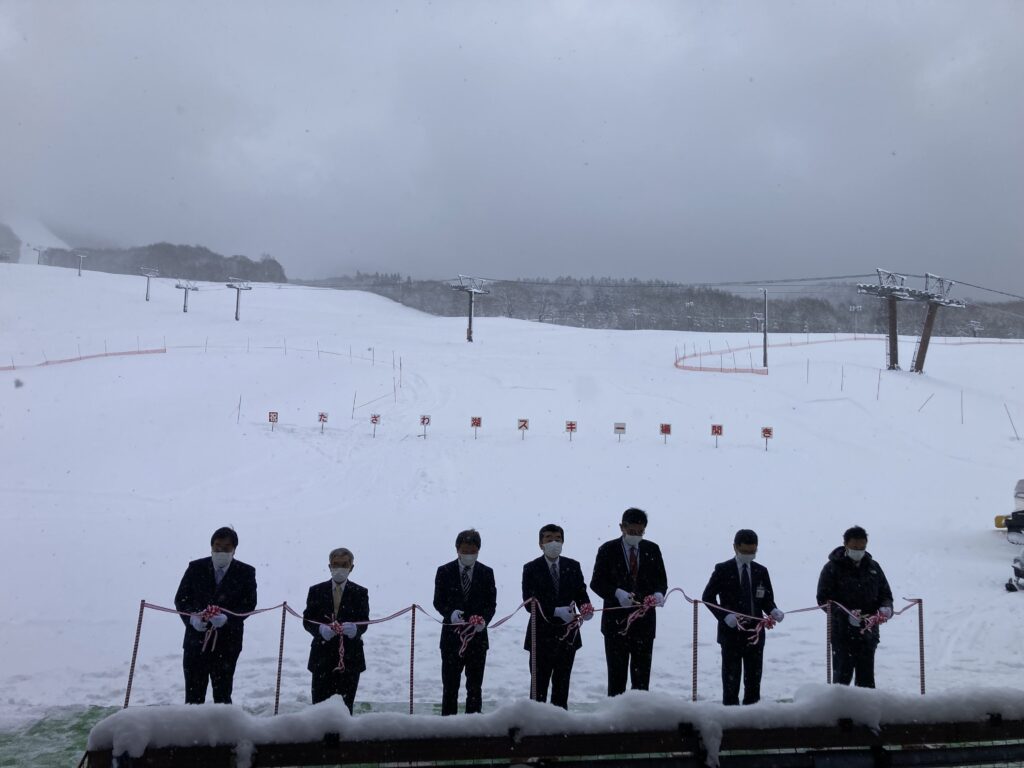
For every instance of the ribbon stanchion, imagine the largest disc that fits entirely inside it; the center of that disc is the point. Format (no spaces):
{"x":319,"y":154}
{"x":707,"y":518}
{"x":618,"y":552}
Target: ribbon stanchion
{"x":533,"y":649}
{"x":412,"y":657}
{"x":693,"y":676}
{"x":135,"y":654}
{"x":920,"y":638}
{"x":828,"y":642}
{"x":280,"y":660}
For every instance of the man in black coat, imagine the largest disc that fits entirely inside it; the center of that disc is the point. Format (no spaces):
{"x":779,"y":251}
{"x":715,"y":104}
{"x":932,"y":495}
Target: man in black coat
{"x":852,"y":578}
{"x":628,"y":570}
{"x":557,"y":584}
{"x":330,"y":603}
{"x":464,"y":595}
{"x":212,"y":644}
{"x":743,"y":587}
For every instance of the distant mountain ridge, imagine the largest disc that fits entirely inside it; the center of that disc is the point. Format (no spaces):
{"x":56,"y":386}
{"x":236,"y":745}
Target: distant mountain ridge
{"x":187,"y":262}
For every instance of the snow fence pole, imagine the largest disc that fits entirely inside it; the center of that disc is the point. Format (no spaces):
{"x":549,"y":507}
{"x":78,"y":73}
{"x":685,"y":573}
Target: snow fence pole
{"x":920,"y":639}
{"x":693,"y":676}
{"x":828,"y":642}
{"x":412,"y":657}
{"x":135,"y":654}
{"x":280,"y":659}
{"x":533,"y":649}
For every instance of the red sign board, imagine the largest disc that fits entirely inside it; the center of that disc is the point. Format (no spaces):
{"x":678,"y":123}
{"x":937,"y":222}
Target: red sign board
{"x":272,"y":417}
{"x":570,"y":426}
{"x":666,"y":429}
{"x":766,"y":433}
{"x":524,"y":424}
{"x":716,"y":430}
{"x":375,"y":418}
{"x":424,"y":421}
{"x":323,"y":417}
{"x":476,"y":421}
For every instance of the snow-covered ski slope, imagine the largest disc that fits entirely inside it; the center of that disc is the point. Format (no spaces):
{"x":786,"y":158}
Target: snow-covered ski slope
{"x":116,"y":471}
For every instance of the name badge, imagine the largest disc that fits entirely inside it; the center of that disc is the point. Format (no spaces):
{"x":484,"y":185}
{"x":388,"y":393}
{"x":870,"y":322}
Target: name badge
{"x":760,"y":591}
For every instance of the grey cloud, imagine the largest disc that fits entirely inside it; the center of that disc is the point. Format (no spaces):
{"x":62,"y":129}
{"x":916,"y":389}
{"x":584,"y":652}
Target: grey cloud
{"x":692,"y":141}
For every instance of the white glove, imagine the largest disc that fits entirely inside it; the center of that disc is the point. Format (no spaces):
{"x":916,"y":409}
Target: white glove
{"x":659,"y":599}
{"x":348,"y":629}
{"x":730,"y":620}
{"x":219,"y":620}
{"x":854,"y":621}
{"x":326,"y":632}
{"x":563,"y":613}
{"x":886,"y":612}
{"x":479,"y":627}
{"x":456,"y":617}
{"x":198,"y":624}
{"x":777,"y":615}
{"x":625,"y":599}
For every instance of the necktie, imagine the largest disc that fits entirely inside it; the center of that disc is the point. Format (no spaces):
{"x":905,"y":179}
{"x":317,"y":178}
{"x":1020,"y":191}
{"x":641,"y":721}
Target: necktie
{"x":748,"y":596}
{"x":466,"y":582}
{"x":554,"y":575}
{"x":337,"y":598}
{"x":633,"y":566}
{"x":218,"y":575}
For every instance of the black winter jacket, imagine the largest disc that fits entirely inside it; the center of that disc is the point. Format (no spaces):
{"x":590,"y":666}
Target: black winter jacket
{"x":860,"y":587}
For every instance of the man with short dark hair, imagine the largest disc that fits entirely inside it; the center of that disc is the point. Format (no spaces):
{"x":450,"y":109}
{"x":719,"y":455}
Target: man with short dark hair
{"x":466,"y":598}
{"x":336,"y":662}
{"x":854,"y":580}
{"x":739,"y":588}
{"x":628,"y":570}
{"x":213,"y":640}
{"x":556,"y":582}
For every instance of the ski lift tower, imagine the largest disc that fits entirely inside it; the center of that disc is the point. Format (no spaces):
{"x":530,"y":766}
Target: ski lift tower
{"x":149,"y":273}
{"x":239,"y":286}
{"x":472,"y":286}
{"x":186,"y":286}
{"x":892,"y":288}
{"x":936,"y":294}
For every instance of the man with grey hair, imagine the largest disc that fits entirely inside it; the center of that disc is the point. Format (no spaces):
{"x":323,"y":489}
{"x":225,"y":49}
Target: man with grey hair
{"x":336,"y":614}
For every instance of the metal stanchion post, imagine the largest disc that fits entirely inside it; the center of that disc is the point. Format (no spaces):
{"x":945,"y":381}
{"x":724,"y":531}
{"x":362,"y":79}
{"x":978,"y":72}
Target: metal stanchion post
{"x":280,"y":660}
{"x":135,"y":654}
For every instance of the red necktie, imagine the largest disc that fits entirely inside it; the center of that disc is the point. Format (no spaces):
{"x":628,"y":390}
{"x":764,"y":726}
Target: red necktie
{"x":632,"y":566}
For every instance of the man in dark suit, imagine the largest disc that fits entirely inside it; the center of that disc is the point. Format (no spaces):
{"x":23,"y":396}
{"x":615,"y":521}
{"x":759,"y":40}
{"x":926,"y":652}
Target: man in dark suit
{"x":213,"y":642}
{"x":557,"y":584}
{"x":741,"y":586}
{"x":628,"y":570}
{"x":332,"y":605}
{"x":465,"y":596}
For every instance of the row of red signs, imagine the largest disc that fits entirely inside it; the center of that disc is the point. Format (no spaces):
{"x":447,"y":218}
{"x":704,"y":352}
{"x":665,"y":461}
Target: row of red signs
{"x":523,"y":425}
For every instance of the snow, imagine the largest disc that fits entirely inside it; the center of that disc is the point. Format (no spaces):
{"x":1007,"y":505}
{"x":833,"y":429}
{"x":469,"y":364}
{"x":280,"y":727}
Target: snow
{"x":133,"y":730}
{"x":116,"y":471}
{"x":32,"y":232}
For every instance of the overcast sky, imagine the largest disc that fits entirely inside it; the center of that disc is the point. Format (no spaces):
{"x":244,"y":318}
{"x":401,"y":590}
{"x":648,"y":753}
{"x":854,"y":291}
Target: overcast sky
{"x":693,"y":141}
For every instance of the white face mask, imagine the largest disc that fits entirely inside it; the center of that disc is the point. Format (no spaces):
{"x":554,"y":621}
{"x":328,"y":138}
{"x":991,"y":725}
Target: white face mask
{"x":631,"y":540}
{"x":855,"y":554}
{"x":222,"y":559}
{"x":745,"y":559}
{"x":338,"y":575}
{"x":552,"y":549}
{"x":466,"y":560}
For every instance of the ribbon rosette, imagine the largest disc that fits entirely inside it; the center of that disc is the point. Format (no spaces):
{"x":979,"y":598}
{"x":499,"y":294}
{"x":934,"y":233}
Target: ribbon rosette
{"x":648,"y":602}
{"x":573,"y":627}
{"x":336,"y":628}
{"x":206,"y":614}
{"x":872,"y":621}
{"x":468,"y":629}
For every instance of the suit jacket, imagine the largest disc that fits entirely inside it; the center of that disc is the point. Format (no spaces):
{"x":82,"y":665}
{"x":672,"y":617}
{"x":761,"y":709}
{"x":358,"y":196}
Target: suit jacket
{"x":537,"y":582}
{"x":355,"y":606}
{"x":448,"y":597}
{"x":724,"y":590}
{"x":236,"y":592}
{"x":611,"y":572}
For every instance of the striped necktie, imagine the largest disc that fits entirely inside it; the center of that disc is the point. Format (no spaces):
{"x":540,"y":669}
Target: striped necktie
{"x":554,"y":575}
{"x":467,"y":582}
